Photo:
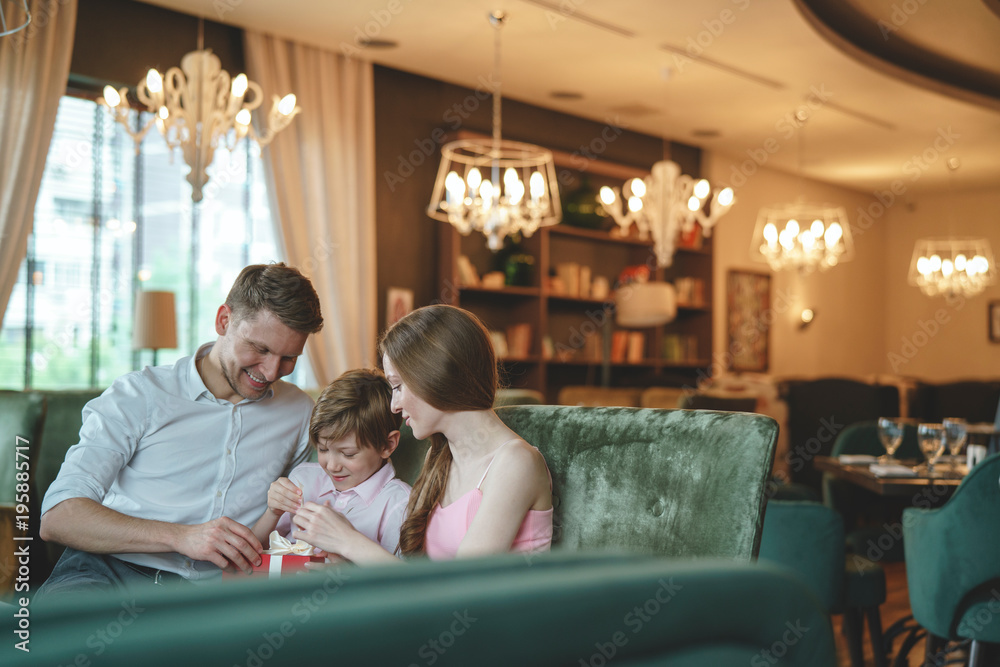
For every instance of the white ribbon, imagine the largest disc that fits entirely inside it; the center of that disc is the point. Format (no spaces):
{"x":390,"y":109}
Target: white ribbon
{"x":282,"y":546}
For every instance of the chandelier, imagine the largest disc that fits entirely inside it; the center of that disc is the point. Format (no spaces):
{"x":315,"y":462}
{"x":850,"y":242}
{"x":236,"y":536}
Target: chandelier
{"x":480,"y":184}
{"x":665,"y":203}
{"x":802,"y":236}
{"x":197,"y":107}
{"x":7,"y":30}
{"x":952,"y":266}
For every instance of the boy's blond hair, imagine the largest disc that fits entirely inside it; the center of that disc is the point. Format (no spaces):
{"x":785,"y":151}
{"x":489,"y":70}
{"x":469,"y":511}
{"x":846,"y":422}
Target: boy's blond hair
{"x":358,"y":402}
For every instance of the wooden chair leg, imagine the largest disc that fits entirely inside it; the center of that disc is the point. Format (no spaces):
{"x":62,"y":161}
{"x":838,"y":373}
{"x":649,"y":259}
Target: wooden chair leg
{"x":854,"y":630}
{"x":875,"y":633}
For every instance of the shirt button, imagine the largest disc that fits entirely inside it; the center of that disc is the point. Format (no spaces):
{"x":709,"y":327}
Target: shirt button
{"x":229,"y":451}
{"x":218,"y":494}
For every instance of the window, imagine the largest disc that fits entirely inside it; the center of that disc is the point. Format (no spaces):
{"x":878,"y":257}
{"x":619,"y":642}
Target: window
{"x":110,"y":222}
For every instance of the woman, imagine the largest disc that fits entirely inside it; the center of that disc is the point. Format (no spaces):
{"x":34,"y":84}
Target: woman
{"x":482,"y":489}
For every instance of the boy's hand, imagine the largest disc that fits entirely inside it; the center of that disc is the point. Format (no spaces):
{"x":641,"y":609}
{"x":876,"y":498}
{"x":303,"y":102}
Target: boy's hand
{"x":322,"y":526}
{"x":283,"y":496}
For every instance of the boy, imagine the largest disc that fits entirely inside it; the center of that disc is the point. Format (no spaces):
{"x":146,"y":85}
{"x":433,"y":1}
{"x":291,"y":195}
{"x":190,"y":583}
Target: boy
{"x":354,"y":432}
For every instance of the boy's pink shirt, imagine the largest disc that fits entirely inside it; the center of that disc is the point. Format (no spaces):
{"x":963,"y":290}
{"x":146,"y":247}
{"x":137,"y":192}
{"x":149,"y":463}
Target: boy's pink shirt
{"x":376,"y":507}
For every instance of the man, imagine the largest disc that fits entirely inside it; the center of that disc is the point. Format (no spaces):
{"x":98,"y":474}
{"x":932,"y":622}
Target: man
{"x":174,"y":462}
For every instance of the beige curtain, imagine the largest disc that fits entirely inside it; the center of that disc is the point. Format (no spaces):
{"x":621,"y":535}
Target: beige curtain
{"x":321,"y":175}
{"x":34,"y":68}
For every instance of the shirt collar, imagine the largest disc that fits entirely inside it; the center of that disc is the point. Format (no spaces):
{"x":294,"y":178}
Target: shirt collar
{"x":370,"y":488}
{"x":190,"y":378}
{"x":195,"y":385}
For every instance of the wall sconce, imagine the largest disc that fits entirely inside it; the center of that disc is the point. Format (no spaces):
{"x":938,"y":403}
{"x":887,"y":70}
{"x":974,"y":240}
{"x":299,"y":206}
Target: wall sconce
{"x":807,"y":316}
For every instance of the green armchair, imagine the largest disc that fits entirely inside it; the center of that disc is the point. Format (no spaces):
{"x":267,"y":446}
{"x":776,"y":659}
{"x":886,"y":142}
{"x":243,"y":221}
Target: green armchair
{"x":808,"y":537}
{"x":953,"y":560}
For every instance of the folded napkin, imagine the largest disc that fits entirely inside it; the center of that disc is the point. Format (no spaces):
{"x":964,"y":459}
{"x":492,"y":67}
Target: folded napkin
{"x":892,"y":470}
{"x":282,"y":546}
{"x":849,"y":459}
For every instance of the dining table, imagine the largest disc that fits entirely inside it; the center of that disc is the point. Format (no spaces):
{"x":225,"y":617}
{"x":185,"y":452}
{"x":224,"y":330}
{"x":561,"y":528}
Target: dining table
{"x":898,"y":478}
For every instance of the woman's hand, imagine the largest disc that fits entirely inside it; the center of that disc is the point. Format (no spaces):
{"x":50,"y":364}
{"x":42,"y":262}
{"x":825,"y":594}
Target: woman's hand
{"x":323,"y":527}
{"x":331,"y":560}
{"x":283,"y":496}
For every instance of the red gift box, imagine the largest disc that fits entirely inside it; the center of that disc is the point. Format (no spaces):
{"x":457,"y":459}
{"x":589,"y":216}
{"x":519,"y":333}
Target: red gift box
{"x":275,"y":566}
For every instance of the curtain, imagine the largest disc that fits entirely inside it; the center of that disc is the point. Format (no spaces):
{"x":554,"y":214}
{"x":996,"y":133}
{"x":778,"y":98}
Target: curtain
{"x":321,"y":176}
{"x":34,"y":68}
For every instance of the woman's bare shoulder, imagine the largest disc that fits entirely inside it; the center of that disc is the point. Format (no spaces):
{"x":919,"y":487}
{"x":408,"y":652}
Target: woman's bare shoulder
{"x":517,"y":458}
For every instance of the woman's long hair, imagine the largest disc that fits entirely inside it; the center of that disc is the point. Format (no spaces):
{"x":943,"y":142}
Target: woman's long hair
{"x":445,"y":357}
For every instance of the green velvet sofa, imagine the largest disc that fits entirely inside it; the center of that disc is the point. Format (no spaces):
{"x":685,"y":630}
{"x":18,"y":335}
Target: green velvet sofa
{"x":548,"y":610}
{"x":50,"y":420}
{"x":644,"y":484}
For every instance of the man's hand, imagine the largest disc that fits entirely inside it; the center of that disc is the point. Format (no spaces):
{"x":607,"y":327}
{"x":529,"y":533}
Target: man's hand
{"x":221,"y":541}
{"x":283,"y":496}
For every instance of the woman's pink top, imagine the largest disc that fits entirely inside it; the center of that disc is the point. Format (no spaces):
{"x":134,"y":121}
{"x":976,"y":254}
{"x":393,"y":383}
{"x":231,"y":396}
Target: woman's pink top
{"x":447,"y":526}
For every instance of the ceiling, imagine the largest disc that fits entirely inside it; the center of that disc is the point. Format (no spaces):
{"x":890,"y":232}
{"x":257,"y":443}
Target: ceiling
{"x":891,"y":87}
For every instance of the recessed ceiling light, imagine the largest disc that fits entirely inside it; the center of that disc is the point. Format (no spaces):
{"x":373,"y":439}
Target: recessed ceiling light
{"x":566,"y":95}
{"x":705,"y":134}
{"x":378,"y":44}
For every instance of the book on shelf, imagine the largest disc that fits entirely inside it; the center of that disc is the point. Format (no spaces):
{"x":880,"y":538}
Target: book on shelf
{"x":636,"y":347}
{"x":593,"y":347}
{"x":569,"y":275}
{"x":690,"y":291}
{"x":619,"y":344}
{"x":548,"y":348}
{"x":680,"y":348}
{"x":467,"y":274}
{"x":499,"y":341}
{"x":691,"y":238}
{"x":519,"y":340}
{"x":584,"y":281}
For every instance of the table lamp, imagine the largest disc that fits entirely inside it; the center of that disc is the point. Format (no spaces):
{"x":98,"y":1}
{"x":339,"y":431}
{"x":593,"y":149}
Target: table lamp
{"x":155,"y":324}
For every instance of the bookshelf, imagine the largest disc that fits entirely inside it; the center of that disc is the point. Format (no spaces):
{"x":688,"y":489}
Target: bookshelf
{"x":565,"y":330}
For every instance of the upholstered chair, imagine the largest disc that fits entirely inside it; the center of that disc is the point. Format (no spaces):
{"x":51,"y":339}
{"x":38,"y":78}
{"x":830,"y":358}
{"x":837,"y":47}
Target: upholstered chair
{"x":953,"y":564}
{"x":808,"y":537}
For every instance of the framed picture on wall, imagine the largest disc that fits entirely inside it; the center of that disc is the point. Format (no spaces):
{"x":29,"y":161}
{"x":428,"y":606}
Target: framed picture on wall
{"x":398,"y":302}
{"x":748,"y":320}
{"x":993,"y":320}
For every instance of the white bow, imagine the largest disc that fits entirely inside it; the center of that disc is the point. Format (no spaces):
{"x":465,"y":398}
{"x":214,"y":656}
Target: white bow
{"x":282,"y":546}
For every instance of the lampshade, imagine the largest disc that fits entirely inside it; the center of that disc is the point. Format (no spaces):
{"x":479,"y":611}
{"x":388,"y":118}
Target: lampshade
{"x":648,"y":304}
{"x":155,"y":324}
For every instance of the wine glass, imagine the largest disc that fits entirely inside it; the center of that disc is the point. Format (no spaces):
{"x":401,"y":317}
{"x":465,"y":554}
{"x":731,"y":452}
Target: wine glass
{"x":955,"y":435}
{"x":890,"y":433}
{"x":931,"y":438}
